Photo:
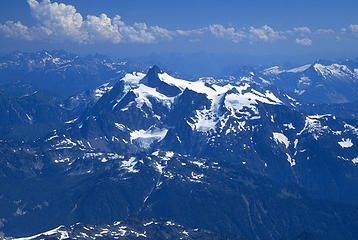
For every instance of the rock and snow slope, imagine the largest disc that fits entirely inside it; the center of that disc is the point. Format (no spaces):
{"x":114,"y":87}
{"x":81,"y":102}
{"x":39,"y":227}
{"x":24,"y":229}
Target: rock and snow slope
{"x":150,"y":139}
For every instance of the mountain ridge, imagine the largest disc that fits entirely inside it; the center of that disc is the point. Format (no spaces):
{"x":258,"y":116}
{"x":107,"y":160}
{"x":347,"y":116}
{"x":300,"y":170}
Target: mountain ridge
{"x":137,"y":146}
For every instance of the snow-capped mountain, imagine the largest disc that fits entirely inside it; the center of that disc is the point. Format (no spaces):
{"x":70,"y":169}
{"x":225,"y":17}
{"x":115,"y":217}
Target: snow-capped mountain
{"x":144,"y":112}
{"x":320,"y":82}
{"x":197,"y":153}
{"x":143,"y":109}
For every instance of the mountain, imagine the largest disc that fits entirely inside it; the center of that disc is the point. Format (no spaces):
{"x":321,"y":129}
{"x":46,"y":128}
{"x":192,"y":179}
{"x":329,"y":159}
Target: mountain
{"x":60,"y":73}
{"x":42,"y":91}
{"x":236,"y":159}
{"x":66,"y":75}
{"x":196,"y":193}
{"x":269,"y":134}
{"x":320,"y":82}
{"x":130,"y":229}
{"x":79,"y":102}
{"x":30,"y":116}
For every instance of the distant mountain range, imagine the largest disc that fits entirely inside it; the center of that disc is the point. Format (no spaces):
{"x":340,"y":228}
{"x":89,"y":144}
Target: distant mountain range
{"x":254,"y":155}
{"x":60,"y":73}
{"x":319,"y":82}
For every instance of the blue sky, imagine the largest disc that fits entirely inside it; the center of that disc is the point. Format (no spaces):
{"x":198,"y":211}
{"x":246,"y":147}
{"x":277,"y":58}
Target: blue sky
{"x":258,"y":30}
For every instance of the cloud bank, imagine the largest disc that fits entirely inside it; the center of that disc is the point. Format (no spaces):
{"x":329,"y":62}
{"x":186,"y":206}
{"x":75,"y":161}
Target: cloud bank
{"x":304,"y":41}
{"x":61,"y":22}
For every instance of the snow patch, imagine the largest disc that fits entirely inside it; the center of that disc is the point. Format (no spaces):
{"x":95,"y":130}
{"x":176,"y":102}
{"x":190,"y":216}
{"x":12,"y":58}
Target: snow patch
{"x":63,"y":234}
{"x":71,"y":121}
{"x":196,"y":176}
{"x":281,"y":138}
{"x":99,"y":92}
{"x":145,"y":138}
{"x":299,"y":92}
{"x":144,"y":94}
{"x":159,"y":167}
{"x":133,"y":78}
{"x":313,"y":125}
{"x":290,"y":160}
{"x":129,"y":165}
{"x":199,"y":164}
{"x":295,"y":143}
{"x":273,"y":70}
{"x":289,"y":126}
{"x":169,"y":154}
{"x":120,"y":126}
{"x":335,"y":70}
{"x":346,"y":143}
{"x":299,"y":69}
{"x":304,"y":81}
{"x":28,"y":117}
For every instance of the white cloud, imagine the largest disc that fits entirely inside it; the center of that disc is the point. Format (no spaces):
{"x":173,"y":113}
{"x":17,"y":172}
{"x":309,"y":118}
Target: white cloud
{"x":61,"y":22}
{"x":191,"y":32}
{"x":140,"y":32}
{"x":15,"y":30}
{"x":304,"y":41}
{"x":327,"y":31}
{"x":229,"y":33}
{"x":353,"y":28}
{"x":102,"y":28}
{"x":265,"y":33}
{"x":302,"y":30}
{"x":137,"y":33}
{"x":162,"y":33}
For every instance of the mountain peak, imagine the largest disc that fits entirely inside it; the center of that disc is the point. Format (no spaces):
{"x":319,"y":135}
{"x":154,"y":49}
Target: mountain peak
{"x":154,"y":70}
{"x":152,"y":77}
{"x":153,"y":80}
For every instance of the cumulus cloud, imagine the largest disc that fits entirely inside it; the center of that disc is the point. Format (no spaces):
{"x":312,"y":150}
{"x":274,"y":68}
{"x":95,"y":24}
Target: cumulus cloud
{"x":304,"y":41}
{"x":61,"y":22}
{"x":326,"y":31}
{"x":353,"y":28}
{"x":265,"y":33}
{"x":15,"y":30}
{"x":192,"y":32}
{"x":302,"y":30}
{"x":162,"y":33}
{"x":229,"y":33}
{"x":101,"y":28}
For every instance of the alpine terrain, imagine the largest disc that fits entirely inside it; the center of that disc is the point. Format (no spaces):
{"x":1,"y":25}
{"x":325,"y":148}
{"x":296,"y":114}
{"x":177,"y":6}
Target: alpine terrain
{"x":99,"y":148}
